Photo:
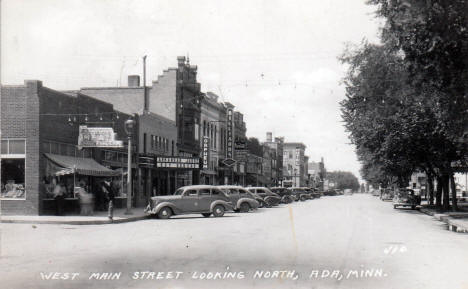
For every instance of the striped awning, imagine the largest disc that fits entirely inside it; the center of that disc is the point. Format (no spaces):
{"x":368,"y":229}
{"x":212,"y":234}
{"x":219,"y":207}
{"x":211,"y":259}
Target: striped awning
{"x":81,"y":166}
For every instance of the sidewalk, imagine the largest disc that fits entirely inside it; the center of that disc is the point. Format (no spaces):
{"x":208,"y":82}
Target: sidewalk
{"x":456,"y":221}
{"x":99,"y":218}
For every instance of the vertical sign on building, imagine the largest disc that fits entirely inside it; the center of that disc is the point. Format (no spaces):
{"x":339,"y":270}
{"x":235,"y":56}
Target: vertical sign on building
{"x":206,"y":152}
{"x":230,"y":135}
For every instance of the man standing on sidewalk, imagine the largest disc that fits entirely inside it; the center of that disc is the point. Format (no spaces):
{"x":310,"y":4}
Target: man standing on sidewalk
{"x":109,"y":191}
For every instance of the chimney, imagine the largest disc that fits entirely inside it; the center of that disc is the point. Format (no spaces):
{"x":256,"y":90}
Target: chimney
{"x":269,"y":137}
{"x":133,"y":81}
{"x":181,"y":61}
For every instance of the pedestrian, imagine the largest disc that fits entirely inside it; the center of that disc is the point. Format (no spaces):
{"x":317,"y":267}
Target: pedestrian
{"x":58,"y":194}
{"x":109,"y":191}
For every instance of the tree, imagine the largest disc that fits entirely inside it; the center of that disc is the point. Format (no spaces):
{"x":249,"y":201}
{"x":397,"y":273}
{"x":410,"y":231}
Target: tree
{"x":344,"y":180}
{"x":254,"y":146}
{"x":432,"y":35}
{"x":406,"y":97}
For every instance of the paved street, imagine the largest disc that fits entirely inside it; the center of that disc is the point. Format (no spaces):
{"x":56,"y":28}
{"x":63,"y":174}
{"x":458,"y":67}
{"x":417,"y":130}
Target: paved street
{"x":398,"y":248}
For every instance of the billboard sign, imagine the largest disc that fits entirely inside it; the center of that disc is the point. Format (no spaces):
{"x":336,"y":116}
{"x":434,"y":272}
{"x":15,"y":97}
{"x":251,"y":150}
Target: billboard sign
{"x":103,"y":137}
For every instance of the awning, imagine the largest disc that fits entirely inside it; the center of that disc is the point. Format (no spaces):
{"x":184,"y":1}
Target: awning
{"x":81,"y":166}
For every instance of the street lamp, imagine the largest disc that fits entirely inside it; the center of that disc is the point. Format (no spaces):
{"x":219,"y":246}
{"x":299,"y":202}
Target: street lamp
{"x":129,"y":125}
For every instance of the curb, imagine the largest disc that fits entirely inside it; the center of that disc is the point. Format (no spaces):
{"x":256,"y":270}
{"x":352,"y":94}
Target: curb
{"x":94,"y":222}
{"x":453,"y":225}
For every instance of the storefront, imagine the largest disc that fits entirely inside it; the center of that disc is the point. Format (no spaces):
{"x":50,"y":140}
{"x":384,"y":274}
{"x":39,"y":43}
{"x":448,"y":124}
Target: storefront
{"x":179,"y":171}
{"x":69,"y":173}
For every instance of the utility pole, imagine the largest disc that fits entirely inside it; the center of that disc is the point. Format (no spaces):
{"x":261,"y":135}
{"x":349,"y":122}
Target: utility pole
{"x":146,"y":99}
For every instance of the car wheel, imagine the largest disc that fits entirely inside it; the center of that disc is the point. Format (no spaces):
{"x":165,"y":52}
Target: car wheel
{"x":218,"y":211}
{"x":244,"y":207}
{"x":206,"y":215}
{"x":165,"y":213}
{"x":303,"y":198}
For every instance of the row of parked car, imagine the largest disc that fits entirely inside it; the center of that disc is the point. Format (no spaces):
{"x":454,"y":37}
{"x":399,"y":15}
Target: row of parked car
{"x":216,"y":200}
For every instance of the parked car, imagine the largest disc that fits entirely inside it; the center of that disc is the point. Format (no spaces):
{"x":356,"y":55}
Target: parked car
{"x":406,"y":198}
{"x":284,"y":193}
{"x":387,"y":194}
{"x":270,"y":198}
{"x":202,"y":199}
{"x":375,"y":193}
{"x":313,"y":193}
{"x":299,"y":194}
{"x":329,"y":193}
{"x":241,"y":199}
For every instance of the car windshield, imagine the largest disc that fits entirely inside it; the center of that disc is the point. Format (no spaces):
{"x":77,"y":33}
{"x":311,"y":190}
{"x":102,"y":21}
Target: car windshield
{"x":179,"y":192}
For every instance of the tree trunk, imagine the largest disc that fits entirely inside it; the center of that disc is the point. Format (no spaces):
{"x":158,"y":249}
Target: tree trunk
{"x":453,"y":187}
{"x":446,"y":192}
{"x":439,"y":192}
{"x":430,"y":187}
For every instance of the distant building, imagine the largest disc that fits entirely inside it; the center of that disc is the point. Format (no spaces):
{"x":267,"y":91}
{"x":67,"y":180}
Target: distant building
{"x":276,"y":147}
{"x":293,"y":164}
{"x":316,"y":171}
{"x":213,"y":138}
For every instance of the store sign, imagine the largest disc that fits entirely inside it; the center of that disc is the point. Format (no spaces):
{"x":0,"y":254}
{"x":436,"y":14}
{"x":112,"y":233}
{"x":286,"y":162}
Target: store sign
{"x":206,"y":152}
{"x":177,"y":162}
{"x":230,"y":135}
{"x":146,"y":161}
{"x":228,"y":162}
{"x":103,"y":137}
{"x":241,"y":154}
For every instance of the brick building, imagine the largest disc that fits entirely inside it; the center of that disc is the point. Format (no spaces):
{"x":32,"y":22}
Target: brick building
{"x":39,"y":139}
{"x":169,"y":116}
{"x":276,"y":146}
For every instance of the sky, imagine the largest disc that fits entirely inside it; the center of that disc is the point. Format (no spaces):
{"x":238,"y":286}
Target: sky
{"x":275,"y":60}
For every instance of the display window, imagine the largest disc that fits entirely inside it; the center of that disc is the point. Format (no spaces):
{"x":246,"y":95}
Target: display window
{"x":13,"y":169}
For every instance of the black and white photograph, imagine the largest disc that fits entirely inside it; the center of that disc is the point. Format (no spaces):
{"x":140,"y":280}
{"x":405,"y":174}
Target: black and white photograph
{"x":178,"y":144}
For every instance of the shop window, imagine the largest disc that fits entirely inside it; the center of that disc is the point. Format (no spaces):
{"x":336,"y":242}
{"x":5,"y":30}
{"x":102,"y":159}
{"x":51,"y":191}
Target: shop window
{"x":63,"y":149}
{"x":12,"y":169}
{"x":4,"y":145}
{"x":197,"y":132}
{"x":54,"y":148}
{"x":16,"y":147}
{"x":45,"y":147}
{"x":13,"y":185}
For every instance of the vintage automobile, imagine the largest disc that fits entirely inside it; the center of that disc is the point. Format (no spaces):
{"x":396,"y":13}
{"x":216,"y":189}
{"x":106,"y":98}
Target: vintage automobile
{"x":330,"y":192}
{"x":270,"y":198}
{"x":202,"y":199}
{"x":406,"y":198}
{"x":313,"y":193}
{"x":375,"y":193}
{"x":386,"y":195}
{"x":241,"y":199}
{"x":284,"y":193}
{"x":299,"y":194}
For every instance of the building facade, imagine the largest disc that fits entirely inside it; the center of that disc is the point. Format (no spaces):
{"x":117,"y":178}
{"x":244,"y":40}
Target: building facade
{"x":39,"y":143}
{"x":293,"y":164}
{"x":213,"y":139}
{"x":168,"y":113}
